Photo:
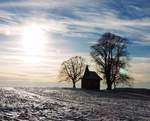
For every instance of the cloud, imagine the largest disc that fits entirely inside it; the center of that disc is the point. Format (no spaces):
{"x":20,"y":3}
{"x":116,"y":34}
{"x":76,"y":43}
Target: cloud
{"x":46,"y":4}
{"x":140,"y":69}
{"x":107,"y":21}
{"x":16,"y":65}
{"x":73,"y":19}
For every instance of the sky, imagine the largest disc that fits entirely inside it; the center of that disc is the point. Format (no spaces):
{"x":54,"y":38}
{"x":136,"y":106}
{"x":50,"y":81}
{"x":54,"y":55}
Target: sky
{"x":36,"y":36}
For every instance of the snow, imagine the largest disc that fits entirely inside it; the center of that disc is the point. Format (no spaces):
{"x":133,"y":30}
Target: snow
{"x":44,"y":104}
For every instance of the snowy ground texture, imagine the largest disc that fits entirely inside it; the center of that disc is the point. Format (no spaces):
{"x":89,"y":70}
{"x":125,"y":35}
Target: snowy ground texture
{"x":43,"y":104}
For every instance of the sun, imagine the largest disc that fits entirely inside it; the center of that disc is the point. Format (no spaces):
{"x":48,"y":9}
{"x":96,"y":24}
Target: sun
{"x":33,"y":38}
{"x":33,"y":41}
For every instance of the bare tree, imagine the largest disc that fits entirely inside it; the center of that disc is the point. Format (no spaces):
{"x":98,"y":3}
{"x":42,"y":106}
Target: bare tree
{"x":110,"y":53}
{"x":72,"y":70}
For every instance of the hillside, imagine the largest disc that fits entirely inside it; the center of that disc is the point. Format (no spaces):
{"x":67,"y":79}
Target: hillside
{"x":41,"y":104}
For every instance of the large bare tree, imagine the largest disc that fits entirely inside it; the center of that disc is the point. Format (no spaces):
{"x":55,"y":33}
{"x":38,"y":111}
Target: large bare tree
{"x":110,"y":53}
{"x":72,"y":70}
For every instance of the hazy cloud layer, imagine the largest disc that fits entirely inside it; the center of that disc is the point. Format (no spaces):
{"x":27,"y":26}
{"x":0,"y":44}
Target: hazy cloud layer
{"x":140,"y":71}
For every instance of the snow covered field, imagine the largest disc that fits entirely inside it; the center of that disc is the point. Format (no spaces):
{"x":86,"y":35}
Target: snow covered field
{"x":43,"y":104}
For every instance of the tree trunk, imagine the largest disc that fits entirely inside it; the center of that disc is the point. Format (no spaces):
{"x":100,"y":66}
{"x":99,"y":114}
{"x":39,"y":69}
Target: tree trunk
{"x":74,"y":84}
{"x":109,"y":83}
{"x":109,"y":86}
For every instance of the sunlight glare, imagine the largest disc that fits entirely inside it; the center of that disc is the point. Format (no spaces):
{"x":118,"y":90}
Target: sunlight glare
{"x":123,"y":71}
{"x":33,"y":40}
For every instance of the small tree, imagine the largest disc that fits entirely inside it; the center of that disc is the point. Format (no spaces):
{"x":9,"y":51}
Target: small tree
{"x":72,"y":70}
{"x":110,"y":53}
